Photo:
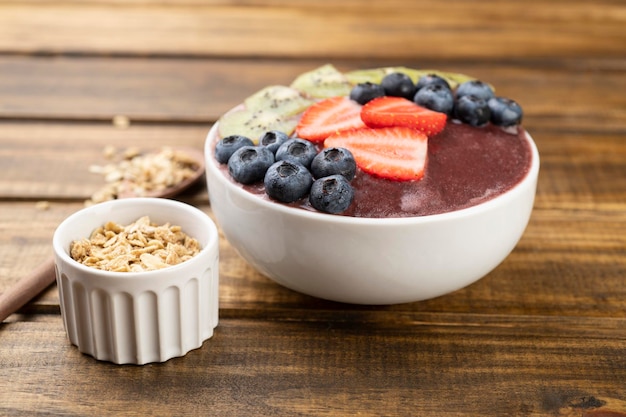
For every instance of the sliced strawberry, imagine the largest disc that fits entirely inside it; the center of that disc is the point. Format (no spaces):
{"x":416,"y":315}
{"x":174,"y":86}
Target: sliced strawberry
{"x":395,"y":153}
{"x":328,"y":116}
{"x":397,"y":111}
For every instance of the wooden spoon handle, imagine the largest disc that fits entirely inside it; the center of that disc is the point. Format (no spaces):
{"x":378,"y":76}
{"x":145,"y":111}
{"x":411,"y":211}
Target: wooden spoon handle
{"x":27,"y":288}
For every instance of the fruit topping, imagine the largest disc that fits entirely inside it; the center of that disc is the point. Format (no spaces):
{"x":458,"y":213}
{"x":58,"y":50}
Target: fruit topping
{"x":373,"y":122}
{"x":249,"y":163}
{"x":329,"y":116}
{"x":280,"y":99}
{"x":334,"y":161}
{"x":332,"y":194}
{"x":475,"y":88}
{"x":504,"y":111}
{"x":397,"y":111}
{"x":364,"y":92}
{"x":323,"y":82}
{"x":454,"y":79}
{"x":297,"y":151}
{"x":472,"y":110}
{"x":228,"y":145}
{"x":430,"y":79}
{"x":398,"y":84}
{"x":436,"y":97}
{"x":273,"y":139}
{"x":395,"y":153}
{"x":287,"y":181}
{"x":254,"y":123}
{"x":376,"y":75}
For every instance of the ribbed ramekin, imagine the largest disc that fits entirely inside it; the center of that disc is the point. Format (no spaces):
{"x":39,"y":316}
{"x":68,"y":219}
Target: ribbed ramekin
{"x":138,"y":317}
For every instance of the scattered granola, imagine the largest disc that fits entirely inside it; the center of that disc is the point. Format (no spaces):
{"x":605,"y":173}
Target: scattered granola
{"x":139,"y":246}
{"x":42,"y":205}
{"x":140,"y":174}
{"x":120,"y":121}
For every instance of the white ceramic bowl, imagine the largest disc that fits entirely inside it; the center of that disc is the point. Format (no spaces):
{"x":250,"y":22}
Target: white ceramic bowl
{"x":370,"y":261}
{"x":138,"y":317}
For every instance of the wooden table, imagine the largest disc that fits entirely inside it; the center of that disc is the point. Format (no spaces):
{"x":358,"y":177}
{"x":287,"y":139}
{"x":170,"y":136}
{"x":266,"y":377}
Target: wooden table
{"x":543,"y":334}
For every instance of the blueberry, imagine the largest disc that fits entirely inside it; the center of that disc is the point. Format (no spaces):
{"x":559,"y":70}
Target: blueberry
{"x":435,"y":97}
{"x":228,"y":145}
{"x":475,"y":88}
{"x":249,"y":163}
{"x":504,"y":111}
{"x":287,"y":181}
{"x":332,"y":194}
{"x":331,"y":161}
{"x":472,"y":110}
{"x":273,"y":139}
{"x":398,"y":84}
{"x":299,"y":151}
{"x":364,"y":92}
{"x":430,"y":79}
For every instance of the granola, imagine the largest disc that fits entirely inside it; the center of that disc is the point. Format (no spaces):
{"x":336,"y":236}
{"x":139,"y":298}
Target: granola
{"x":141,"y":174}
{"x":139,"y":246}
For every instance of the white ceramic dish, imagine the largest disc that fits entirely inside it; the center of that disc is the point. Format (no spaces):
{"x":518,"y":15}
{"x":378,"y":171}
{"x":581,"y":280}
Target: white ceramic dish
{"x":138,"y":317}
{"x":370,"y":261}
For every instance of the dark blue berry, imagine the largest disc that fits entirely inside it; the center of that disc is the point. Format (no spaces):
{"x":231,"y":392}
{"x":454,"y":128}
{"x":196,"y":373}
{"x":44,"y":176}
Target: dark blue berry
{"x":296,"y":150}
{"x":398,"y":84}
{"x":430,"y":79}
{"x":364,"y":92}
{"x":287,"y":181}
{"x":249,"y":163}
{"x":228,"y":145}
{"x":475,"y":88}
{"x":332,"y":161}
{"x":504,"y":111}
{"x":435,"y":97}
{"x":273,"y":139}
{"x":472,"y":110}
{"x":332,"y":194}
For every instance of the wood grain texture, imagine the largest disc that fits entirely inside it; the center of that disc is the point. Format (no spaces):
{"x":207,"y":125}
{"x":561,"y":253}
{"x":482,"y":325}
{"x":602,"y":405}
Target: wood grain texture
{"x":544,"y":334}
{"x":570,"y":95}
{"x":51,"y":160}
{"x":328,"y":364}
{"x":569,"y":262}
{"x":498,"y":29}
{"x":46,"y":160}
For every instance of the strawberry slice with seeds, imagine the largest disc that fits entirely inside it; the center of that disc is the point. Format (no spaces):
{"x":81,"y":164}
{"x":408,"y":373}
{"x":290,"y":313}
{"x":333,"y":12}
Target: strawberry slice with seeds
{"x":328,"y":116}
{"x":394,"y":153}
{"x":397,"y":111}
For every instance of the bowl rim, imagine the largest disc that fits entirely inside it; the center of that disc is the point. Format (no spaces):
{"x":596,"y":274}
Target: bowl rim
{"x":213,"y":171}
{"x":206,"y":221}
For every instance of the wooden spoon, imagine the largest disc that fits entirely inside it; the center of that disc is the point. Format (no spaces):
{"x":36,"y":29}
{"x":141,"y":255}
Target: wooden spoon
{"x":44,"y":275}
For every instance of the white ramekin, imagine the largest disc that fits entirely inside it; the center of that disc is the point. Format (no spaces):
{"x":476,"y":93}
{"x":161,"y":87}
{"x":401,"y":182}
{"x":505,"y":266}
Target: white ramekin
{"x":138,"y":317}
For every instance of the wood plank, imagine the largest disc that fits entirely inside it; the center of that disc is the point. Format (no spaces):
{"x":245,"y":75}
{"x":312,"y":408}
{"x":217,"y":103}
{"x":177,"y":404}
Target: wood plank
{"x":494,"y":29}
{"x":543,"y":334}
{"x":571,"y":257}
{"x":44,"y":160}
{"x":51,"y":160}
{"x":329,"y":364}
{"x":570,"y":261}
{"x":570,"y":95}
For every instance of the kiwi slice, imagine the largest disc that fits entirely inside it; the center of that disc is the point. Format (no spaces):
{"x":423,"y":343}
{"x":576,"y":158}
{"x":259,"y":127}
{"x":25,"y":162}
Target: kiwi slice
{"x":254,"y":123}
{"x":375,"y":75}
{"x":285,"y":101}
{"x":323,"y":82}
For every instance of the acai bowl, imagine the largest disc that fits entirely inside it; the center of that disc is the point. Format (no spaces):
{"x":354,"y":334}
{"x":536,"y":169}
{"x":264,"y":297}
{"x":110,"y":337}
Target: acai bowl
{"x":370,"y":259}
